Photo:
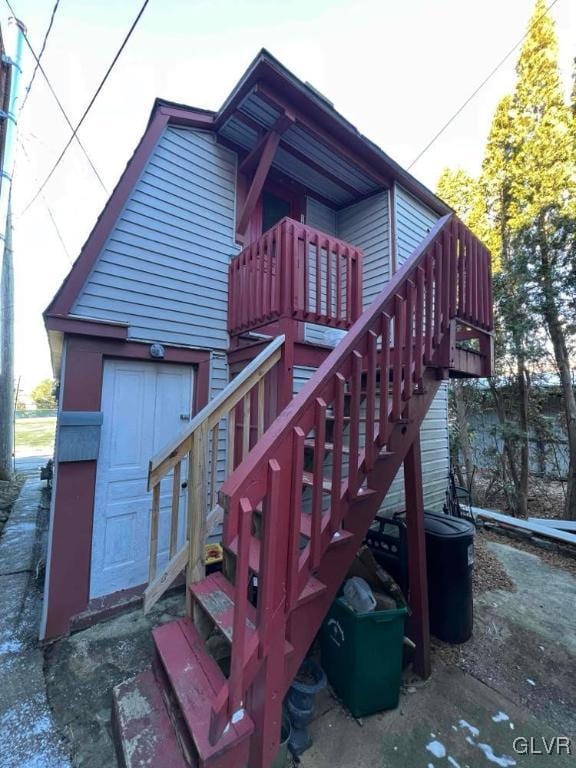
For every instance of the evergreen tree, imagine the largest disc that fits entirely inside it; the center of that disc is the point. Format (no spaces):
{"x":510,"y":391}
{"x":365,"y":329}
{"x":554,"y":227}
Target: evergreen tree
{"x":542,"y":213}
{"x":527,"y":217}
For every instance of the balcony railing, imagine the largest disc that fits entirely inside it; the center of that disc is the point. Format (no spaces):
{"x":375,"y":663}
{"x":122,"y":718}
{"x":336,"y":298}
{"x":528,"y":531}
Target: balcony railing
{"x":295,"y":271}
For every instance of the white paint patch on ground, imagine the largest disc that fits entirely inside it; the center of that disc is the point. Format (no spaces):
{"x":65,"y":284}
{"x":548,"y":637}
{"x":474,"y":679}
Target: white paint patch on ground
{"x":453,"y":762}
{"x":530,"y":681}
{"x":500,"y":717}
{"x":437,"y":749}
{"x":502,"y":762}
{"x":472,"y":728}
{"x":10,"y":646}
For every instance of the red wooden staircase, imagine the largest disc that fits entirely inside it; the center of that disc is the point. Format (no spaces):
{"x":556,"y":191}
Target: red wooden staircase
{"x":297,"y":509}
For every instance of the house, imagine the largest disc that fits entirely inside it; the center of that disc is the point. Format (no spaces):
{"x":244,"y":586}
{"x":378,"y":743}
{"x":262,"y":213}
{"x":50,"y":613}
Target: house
{"x":225,"y":349}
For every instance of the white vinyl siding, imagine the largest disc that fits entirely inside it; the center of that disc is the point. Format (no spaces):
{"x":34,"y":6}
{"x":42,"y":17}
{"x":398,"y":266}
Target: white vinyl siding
{"x":435,"y":456}
{"x":321,"y":217}
{"x":366,"y":225}
{"x":413,"y":222}
{"x":164,"y":268}
{"x":218,"y":380}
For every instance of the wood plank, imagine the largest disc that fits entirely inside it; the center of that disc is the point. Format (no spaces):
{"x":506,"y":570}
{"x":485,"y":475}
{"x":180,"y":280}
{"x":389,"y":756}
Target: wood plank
{"x":231,"y":439}
{"x":338,"y":449}
{"x":196,"y":506}
{"x":318,"y":469}
{"x":354,"y":441}
{"x":216,"y":596}
{"x":154,"y":521}
{"x":370,"y":400}
{"x":174,"y":511}
{"x":399,"y":338}
{"x":145,"y":734}
{"x":261,"y":405}
{"x":298,"y":438}
{"x":419,"y":621}
{"x":384,"y":380}
{"x":246,"y":408}
{"x":163,"y":580}
{"x":542,"y":530}
{"x":264,"y":163}
{"x":563,"y":525}
{"x":214,"y":465}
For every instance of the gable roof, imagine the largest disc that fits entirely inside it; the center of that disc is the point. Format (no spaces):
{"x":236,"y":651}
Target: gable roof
{"x":265,"y":72}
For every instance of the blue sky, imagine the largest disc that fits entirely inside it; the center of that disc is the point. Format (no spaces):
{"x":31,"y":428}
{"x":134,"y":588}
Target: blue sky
{"x":397,"y":70}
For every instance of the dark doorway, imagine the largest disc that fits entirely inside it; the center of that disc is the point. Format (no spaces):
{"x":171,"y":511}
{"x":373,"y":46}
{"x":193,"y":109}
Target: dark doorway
{"x":274,"y":208}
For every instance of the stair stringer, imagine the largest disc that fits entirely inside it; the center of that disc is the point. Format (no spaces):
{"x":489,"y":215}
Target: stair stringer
{"x":305,"y":621}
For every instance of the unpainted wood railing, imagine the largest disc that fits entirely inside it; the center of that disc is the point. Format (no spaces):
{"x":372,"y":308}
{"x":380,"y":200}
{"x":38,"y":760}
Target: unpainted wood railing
{"x":347,"y":410}
{"x":192,"y":462}
{"x":298,"y":272}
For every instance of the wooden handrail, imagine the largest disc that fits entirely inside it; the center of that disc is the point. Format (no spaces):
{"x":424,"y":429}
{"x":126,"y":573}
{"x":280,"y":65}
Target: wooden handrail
{"x":409,"y":327}
{"x":198,"y":445}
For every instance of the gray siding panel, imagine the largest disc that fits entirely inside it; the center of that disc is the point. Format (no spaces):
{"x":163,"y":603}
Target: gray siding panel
{"x":321,"y":216}
{"x":301,"y":375}
{"x":434,"y":452}
{"x":164,"y":269}
{"x":218,"y":380}
{"x":413,"y":222}
{"x":366,"y":225}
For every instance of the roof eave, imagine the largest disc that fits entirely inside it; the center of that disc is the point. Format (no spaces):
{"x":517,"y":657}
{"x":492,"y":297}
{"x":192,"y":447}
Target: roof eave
{"x":267,"y":68}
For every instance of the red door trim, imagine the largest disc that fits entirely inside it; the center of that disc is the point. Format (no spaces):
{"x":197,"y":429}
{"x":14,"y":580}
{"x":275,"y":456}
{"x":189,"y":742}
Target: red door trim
{"x":71,"y":546}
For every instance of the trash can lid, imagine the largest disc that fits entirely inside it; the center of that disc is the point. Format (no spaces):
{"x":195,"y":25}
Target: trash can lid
{"x":445,"y":526}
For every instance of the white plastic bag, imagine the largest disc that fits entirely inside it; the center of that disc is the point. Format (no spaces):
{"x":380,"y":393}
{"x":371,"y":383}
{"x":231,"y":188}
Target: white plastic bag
{"x":358,"y":595}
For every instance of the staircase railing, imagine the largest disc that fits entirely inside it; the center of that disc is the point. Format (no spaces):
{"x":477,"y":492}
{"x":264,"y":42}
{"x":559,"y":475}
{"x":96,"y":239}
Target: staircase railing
{"x":358,"y":396}
{"x":295,"y":271}
{"x":192,"y":462}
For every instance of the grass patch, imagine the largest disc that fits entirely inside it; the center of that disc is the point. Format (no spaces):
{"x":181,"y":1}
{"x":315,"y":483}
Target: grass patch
{"x":36,"y":433}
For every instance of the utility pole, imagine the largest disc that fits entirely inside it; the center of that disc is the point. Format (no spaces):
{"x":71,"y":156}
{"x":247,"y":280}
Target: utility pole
{"x":12,"y":63}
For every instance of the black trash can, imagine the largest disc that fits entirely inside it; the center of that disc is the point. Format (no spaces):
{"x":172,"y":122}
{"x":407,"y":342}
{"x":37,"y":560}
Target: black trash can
{"x":450,"y":560}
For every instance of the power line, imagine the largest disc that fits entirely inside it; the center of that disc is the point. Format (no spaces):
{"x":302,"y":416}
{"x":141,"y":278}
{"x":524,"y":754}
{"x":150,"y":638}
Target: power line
{"x":90,"y":104}
{"x":42,"y":49}
{"x":57,"y":100}
{"x":479,"y":88}
{"x":48,"y":209}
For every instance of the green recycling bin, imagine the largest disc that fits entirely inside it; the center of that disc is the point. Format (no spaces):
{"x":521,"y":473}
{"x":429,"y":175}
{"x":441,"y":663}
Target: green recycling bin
{"x":362,"y":656}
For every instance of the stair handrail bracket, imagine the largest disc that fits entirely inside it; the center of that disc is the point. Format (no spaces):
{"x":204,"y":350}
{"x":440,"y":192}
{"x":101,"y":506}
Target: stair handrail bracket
{"x":358,"y":399}
{"x":192,"y":461}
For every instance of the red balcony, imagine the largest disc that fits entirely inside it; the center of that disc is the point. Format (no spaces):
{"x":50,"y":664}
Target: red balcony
{"x":297,"y":272}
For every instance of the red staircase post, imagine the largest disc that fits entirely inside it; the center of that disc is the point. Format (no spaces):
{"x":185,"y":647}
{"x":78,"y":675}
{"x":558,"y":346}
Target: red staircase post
{"x":419,"y":621}
{"x":267,"y":691}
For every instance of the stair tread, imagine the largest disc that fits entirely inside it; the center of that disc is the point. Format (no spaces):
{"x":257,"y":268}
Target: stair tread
{"x":308,"y":479}
{"x":196,"y":680}
{"x":143,"y":728}
{"x":311,"y":443}
{"x":216,"y":595}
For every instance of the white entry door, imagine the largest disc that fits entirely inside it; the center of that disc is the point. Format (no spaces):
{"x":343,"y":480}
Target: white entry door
{"x":145,"y":406}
